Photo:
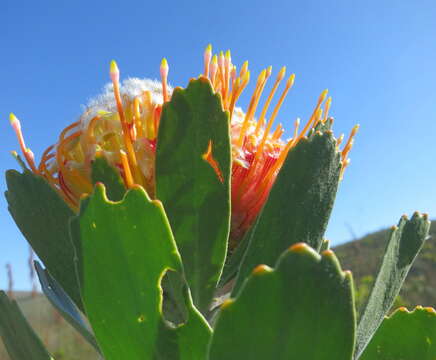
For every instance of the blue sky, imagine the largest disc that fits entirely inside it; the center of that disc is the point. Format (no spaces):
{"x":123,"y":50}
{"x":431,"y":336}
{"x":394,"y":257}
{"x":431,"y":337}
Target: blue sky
{"x":376,"y":58}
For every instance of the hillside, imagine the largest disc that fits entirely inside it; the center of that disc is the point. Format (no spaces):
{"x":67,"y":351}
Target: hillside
{"x":63,"y":342}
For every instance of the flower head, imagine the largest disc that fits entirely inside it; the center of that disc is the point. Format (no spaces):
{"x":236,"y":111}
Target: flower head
{"x":122,"y":125}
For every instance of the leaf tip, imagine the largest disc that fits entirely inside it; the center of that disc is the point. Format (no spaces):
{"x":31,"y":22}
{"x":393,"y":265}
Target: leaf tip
{"x":261,"y":269}
{"x":299,"y":248}
{"x":327,"y":252}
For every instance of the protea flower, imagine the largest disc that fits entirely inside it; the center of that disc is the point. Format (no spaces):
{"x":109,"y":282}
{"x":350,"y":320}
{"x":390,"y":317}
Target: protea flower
{"x":123,"y":123}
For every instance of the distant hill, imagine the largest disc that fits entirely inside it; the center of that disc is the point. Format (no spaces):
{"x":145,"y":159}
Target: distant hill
{"x":363,"y":258}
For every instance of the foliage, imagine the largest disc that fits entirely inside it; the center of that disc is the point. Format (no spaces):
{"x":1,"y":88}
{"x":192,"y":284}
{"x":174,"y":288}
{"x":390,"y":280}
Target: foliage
{"x":146,"y":272}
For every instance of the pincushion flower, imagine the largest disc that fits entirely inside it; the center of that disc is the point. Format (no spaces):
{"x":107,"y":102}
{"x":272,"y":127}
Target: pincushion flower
{"x":122,"y":126}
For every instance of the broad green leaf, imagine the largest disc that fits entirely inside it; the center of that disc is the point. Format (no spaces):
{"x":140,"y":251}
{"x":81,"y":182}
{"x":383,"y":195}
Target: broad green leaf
{"x":43,"y":218}
{"x":404,"y":336}
{"x":62,"y":302}
{"x":196,"y":194}
{"x":234,"y":260}
{"x":301,"y":310}
{"x":20,"y":340}
{"x":123,"y":251}
{"x":405,"y":242}
{"x":174,"y":304}
{"x":299,"y":204}
{"x":105,"y":173}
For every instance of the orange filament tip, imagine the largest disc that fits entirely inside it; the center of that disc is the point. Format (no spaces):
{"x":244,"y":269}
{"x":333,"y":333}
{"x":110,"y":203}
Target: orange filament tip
{"x":261,"y":77}
{"x":355,"y":129}
{"x":244,"y":69}
{"x":221,"y":59}
{"x":14,"y":121}
{"x":114,"y":72}
{"x":207,"y":56}
{"x":215,"y":60}
{"x":323,"y":95}
{"x":290,"y":81}
{"x":164,"y":75}
{"x":228,"y":55}
{"x":269,"y":71}
{"x":281,"y":74}
{"x":164,"y":66}
{"x":233,"y":72}
{"x":30,"y":152}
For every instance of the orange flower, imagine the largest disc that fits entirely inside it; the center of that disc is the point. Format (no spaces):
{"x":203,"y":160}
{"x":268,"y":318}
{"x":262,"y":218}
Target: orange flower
{"x":123,"y":123}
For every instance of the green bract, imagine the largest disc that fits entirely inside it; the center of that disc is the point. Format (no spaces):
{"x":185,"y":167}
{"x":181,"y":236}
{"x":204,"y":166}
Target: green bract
{"x":156,"y":280}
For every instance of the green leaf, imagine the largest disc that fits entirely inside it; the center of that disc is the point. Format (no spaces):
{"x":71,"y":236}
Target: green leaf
{"x":61,"y":301}
{"x":43,"y":218}
{"x":196,"y":198}
{"x":405,"y":242}
{"x":105,"y":173}
{"x":233,"y":263}
{"x":301,"y":310}
{"x":325,"y":245}
{"x":123,"y":251}
{"x":174,"y":304}
{"x":404,"y":336}
{"x":299,"y":204}
{"x":20,"y":340}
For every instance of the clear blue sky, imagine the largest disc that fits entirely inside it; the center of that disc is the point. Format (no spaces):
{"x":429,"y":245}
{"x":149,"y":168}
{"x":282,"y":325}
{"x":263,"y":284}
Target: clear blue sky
{"x":377,"y":58}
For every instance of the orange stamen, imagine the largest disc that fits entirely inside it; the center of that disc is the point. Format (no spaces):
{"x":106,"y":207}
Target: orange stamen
{"x":114,"y":72}
{"x":227,"y":68}
{"x":207,"y":56}
{"x":340,"y":139}
{"x":238,"y":91}
{"x":261,"y":78}
{"x":213,"y":70}
{"x":28,"y":155}
{"x":296,"y":126}
{"x":327,"y":108}
{"x":164,"y":78}
{"x":207,"y":156}
{"x":45,"y":157}
{"x":289,"y":84}
{"x":350,"y":142}
{"x":221,"y":60}
{"x":127,"y":173}
{"x":244,"y":69}
{"x":308,"y":124}
{"x":136,"y":110}
{"x":280,"y":77}
{"x":277,"y":133}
